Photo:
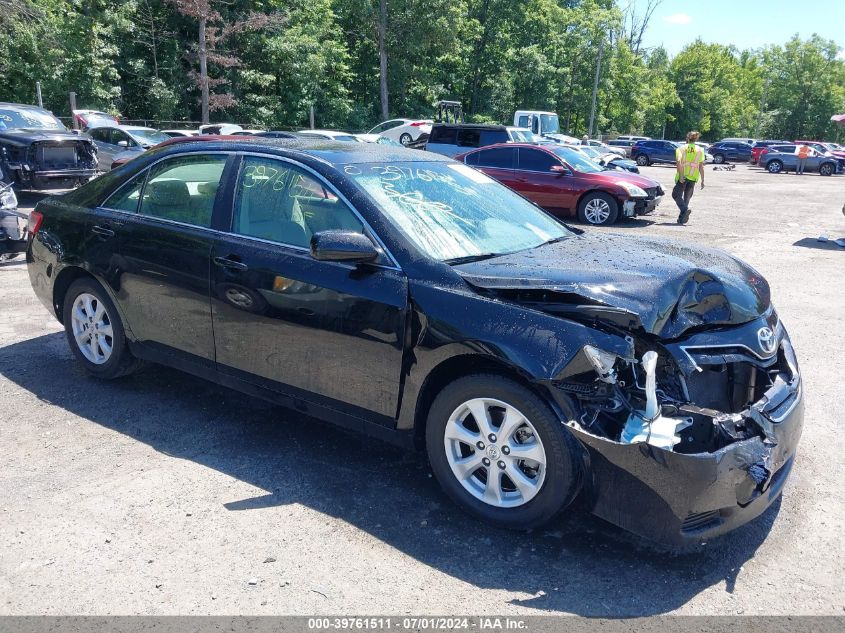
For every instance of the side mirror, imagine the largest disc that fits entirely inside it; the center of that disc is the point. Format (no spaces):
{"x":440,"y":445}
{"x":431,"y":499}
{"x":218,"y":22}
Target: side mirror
{"x":123,"y":143}
{"x":560,"y":170}
{"x":342,"y":246}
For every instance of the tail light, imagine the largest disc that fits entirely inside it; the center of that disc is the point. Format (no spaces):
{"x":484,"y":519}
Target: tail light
{"x":34,"y":223}
{"x":418,"y":123}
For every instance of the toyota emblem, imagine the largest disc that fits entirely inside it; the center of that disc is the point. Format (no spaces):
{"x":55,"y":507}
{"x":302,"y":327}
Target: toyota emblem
{"x":767,"y":340}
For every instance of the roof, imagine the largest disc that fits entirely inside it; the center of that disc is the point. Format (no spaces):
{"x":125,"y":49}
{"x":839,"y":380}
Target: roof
{"x":332,"y":152}
{"x":22,"y":106}
{"x":474,"y":126}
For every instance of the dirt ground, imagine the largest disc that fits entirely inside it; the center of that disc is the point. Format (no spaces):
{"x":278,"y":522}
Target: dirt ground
{"x":164,"y":494}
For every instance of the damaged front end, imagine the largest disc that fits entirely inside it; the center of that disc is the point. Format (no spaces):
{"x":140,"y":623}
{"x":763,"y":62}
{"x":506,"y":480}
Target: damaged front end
{"x":691,"y":438}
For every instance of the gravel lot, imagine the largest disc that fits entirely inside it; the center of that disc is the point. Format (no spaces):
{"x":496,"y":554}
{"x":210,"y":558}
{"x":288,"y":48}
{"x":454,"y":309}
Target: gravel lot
{"x":164,"y":494}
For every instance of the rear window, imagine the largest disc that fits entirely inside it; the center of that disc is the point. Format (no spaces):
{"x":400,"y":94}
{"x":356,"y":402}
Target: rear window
{"x":469,"y":138}
{"x":445,"y":135}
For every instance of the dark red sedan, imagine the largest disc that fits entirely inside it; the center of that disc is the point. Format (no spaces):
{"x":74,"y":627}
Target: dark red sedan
{"x":565,"y":182}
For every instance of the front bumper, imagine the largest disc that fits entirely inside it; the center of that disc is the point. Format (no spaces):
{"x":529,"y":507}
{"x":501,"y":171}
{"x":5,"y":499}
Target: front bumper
{"x":641,"y":206}
{"x":677,"y":498}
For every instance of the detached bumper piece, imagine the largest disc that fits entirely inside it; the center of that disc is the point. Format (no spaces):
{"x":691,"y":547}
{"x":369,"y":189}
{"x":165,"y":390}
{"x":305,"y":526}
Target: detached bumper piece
{"x":679,"y":497}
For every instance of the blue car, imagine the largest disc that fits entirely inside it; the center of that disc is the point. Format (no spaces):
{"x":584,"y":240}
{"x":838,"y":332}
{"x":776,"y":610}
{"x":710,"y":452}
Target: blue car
{"x":730,"y":151}
{"x":648,"y":152}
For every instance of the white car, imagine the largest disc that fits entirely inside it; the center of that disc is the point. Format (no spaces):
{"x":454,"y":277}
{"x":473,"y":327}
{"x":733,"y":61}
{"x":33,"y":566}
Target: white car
{"x":180,"y":133}
{"x":333,"y":135}
{"x":607,"y":149}
{"x":404,"y":131}
{"x":223,"y":129}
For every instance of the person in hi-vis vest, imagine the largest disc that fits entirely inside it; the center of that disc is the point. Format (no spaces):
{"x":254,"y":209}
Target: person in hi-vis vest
{"x":689,"y":160}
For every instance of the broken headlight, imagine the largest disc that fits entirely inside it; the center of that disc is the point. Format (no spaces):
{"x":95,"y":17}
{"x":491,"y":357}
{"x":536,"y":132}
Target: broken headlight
{"x":8,"y":201}
{"x":603,"y":362}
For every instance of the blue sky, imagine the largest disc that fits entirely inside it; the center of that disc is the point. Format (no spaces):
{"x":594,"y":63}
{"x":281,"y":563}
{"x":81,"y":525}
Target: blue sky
{"x":744,"y":23}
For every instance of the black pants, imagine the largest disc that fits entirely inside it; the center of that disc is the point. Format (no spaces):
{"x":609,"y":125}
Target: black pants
{"x":682,"y":194}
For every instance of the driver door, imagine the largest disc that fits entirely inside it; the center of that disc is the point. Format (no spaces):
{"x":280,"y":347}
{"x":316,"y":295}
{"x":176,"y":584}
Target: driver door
{"x":323,"y":332}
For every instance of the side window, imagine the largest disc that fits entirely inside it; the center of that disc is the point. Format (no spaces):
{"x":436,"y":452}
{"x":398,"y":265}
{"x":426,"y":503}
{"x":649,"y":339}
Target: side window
{"x":280,"y":202}
{"x":444,"y":135}
{"x":536,"y":160}
{"x":468,"y":137}
{"x":119,"y":135}
{"x":183,"y":189}
{"x":126,"y":198}
{"x":498,"y":158}
{"x":491,"y":137}
{"x":472,"y":159}
{"x":523,"y":121}
{"x":100,"y":134}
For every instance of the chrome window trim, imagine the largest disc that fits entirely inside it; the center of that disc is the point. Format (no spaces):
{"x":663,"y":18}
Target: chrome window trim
{"x":372,"y":233}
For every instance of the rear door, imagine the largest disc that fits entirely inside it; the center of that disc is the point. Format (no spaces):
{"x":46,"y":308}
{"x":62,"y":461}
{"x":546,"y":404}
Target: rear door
{"x":499,"y":163}
{"x":327,"y":332}
{"x":157,"y":239}
{"x":554,"y":191}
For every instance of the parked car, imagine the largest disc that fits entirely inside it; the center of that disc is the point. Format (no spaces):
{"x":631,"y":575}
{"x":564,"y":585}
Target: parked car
{"x":12,"y":223}
{"x":632,"y":137}
{"x":778,"y":162}
{"x":759,"y":146}
{"x":747,"y":141}
{"x":180,"y":133}
{"x":332,"y":135}
{"x":565,"y":182}
{"x":277,"y":134}
{"x":625,"y":146}
{"x":404,"y":131}
{"x":604,"y":147}
{"x":88,"y":118}
{"x":823,"y":148}
{"x":220,"y":129}
{"x":539,"y":122}
{"x":451,"y":139}
{"x":38,"y":152}
{"x":608,"y":160}
{"x":653,"y":151}
{"x":730,"y":151}
{"x":112,"y":140}
{"x":434,"y":308}
{"x":788,"y":148}
{"x":377,"y":138}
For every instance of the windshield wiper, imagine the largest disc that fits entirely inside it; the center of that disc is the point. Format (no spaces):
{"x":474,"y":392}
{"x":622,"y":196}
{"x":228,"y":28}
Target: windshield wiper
{"x":466,"y":259}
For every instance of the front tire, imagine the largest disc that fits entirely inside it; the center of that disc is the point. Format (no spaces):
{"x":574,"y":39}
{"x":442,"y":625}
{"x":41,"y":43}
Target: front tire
{"x":95,"y":332}
{"x":718,"y":158}
{"x":826,"y":170}
{"x":642,"y":160}
{"x":500,"y":453}
{"x":775,"y":167}
{"x":598,"y":209}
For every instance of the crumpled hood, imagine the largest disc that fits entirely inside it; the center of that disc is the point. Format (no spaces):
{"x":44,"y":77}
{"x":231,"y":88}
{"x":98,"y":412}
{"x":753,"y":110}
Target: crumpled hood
{"x":670,"y":286}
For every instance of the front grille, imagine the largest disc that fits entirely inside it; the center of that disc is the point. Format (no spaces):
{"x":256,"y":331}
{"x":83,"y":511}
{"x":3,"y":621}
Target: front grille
{"x":699,"y":521}
{"x":654,"y":192}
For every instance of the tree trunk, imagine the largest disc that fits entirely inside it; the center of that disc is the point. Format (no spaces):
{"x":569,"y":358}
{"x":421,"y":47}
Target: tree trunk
{"x":382,"y":58}
{"x":203,"y":73}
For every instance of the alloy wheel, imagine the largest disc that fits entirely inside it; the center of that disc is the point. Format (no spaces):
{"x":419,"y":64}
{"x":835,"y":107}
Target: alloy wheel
{"x":92,"y":328}
{"x":597,"y":211}
{"x":495,"y":452}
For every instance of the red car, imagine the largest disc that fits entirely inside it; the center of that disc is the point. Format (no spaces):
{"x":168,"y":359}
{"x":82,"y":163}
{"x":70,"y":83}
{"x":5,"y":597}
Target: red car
{"x":566,"y":182}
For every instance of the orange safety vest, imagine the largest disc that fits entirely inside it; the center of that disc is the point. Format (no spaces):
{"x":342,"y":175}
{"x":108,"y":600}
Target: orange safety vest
{"x":690,"y":156}
{"x":803,"y":151}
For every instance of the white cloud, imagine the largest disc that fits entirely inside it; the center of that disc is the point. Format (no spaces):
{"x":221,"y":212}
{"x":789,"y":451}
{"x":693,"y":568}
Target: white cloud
{"x":678,"y":18}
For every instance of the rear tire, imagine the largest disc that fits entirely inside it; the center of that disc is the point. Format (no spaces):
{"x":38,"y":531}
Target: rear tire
{"x":405,"y":139}
{"x":598,"y":209}
{"x":95,"y":332}
{"x":526,"y":426}
{"x":642,"y":160}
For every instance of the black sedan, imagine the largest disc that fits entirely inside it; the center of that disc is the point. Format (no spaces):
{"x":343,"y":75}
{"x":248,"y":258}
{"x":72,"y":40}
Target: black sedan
{"x":413,"y":298}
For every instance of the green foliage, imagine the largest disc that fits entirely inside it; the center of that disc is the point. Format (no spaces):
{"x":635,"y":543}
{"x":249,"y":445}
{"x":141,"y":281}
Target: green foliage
{"x":135,"y":58}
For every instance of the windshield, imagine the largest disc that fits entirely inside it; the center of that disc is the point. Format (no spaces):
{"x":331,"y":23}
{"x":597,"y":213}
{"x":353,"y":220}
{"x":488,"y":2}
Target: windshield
{"x":149,"y":137}
{"x":592,"y":152}
{"x":549,"y":124}
{"x":31,"y":119}
{"x":451,"y":211}
{"x":577,"y":160}
{"x":522,"y":136}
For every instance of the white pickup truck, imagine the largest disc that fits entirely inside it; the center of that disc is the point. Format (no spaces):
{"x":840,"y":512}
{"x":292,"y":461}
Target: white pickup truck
{"x":542,"y":123}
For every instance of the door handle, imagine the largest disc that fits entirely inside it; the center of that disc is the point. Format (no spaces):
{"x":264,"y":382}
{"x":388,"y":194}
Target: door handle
{"x":231,"y":264}
{"x":102,"y":231}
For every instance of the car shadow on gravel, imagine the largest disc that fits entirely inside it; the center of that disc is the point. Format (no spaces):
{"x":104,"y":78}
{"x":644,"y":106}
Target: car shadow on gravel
{"x":813,"y":242}
{"x":579,"y":565}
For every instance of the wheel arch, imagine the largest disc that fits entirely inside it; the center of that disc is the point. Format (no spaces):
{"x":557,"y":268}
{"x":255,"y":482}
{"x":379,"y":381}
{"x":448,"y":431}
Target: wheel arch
{"x":619,"y":199}
{"x":64,"y":279}
{"x":462,"y":365}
